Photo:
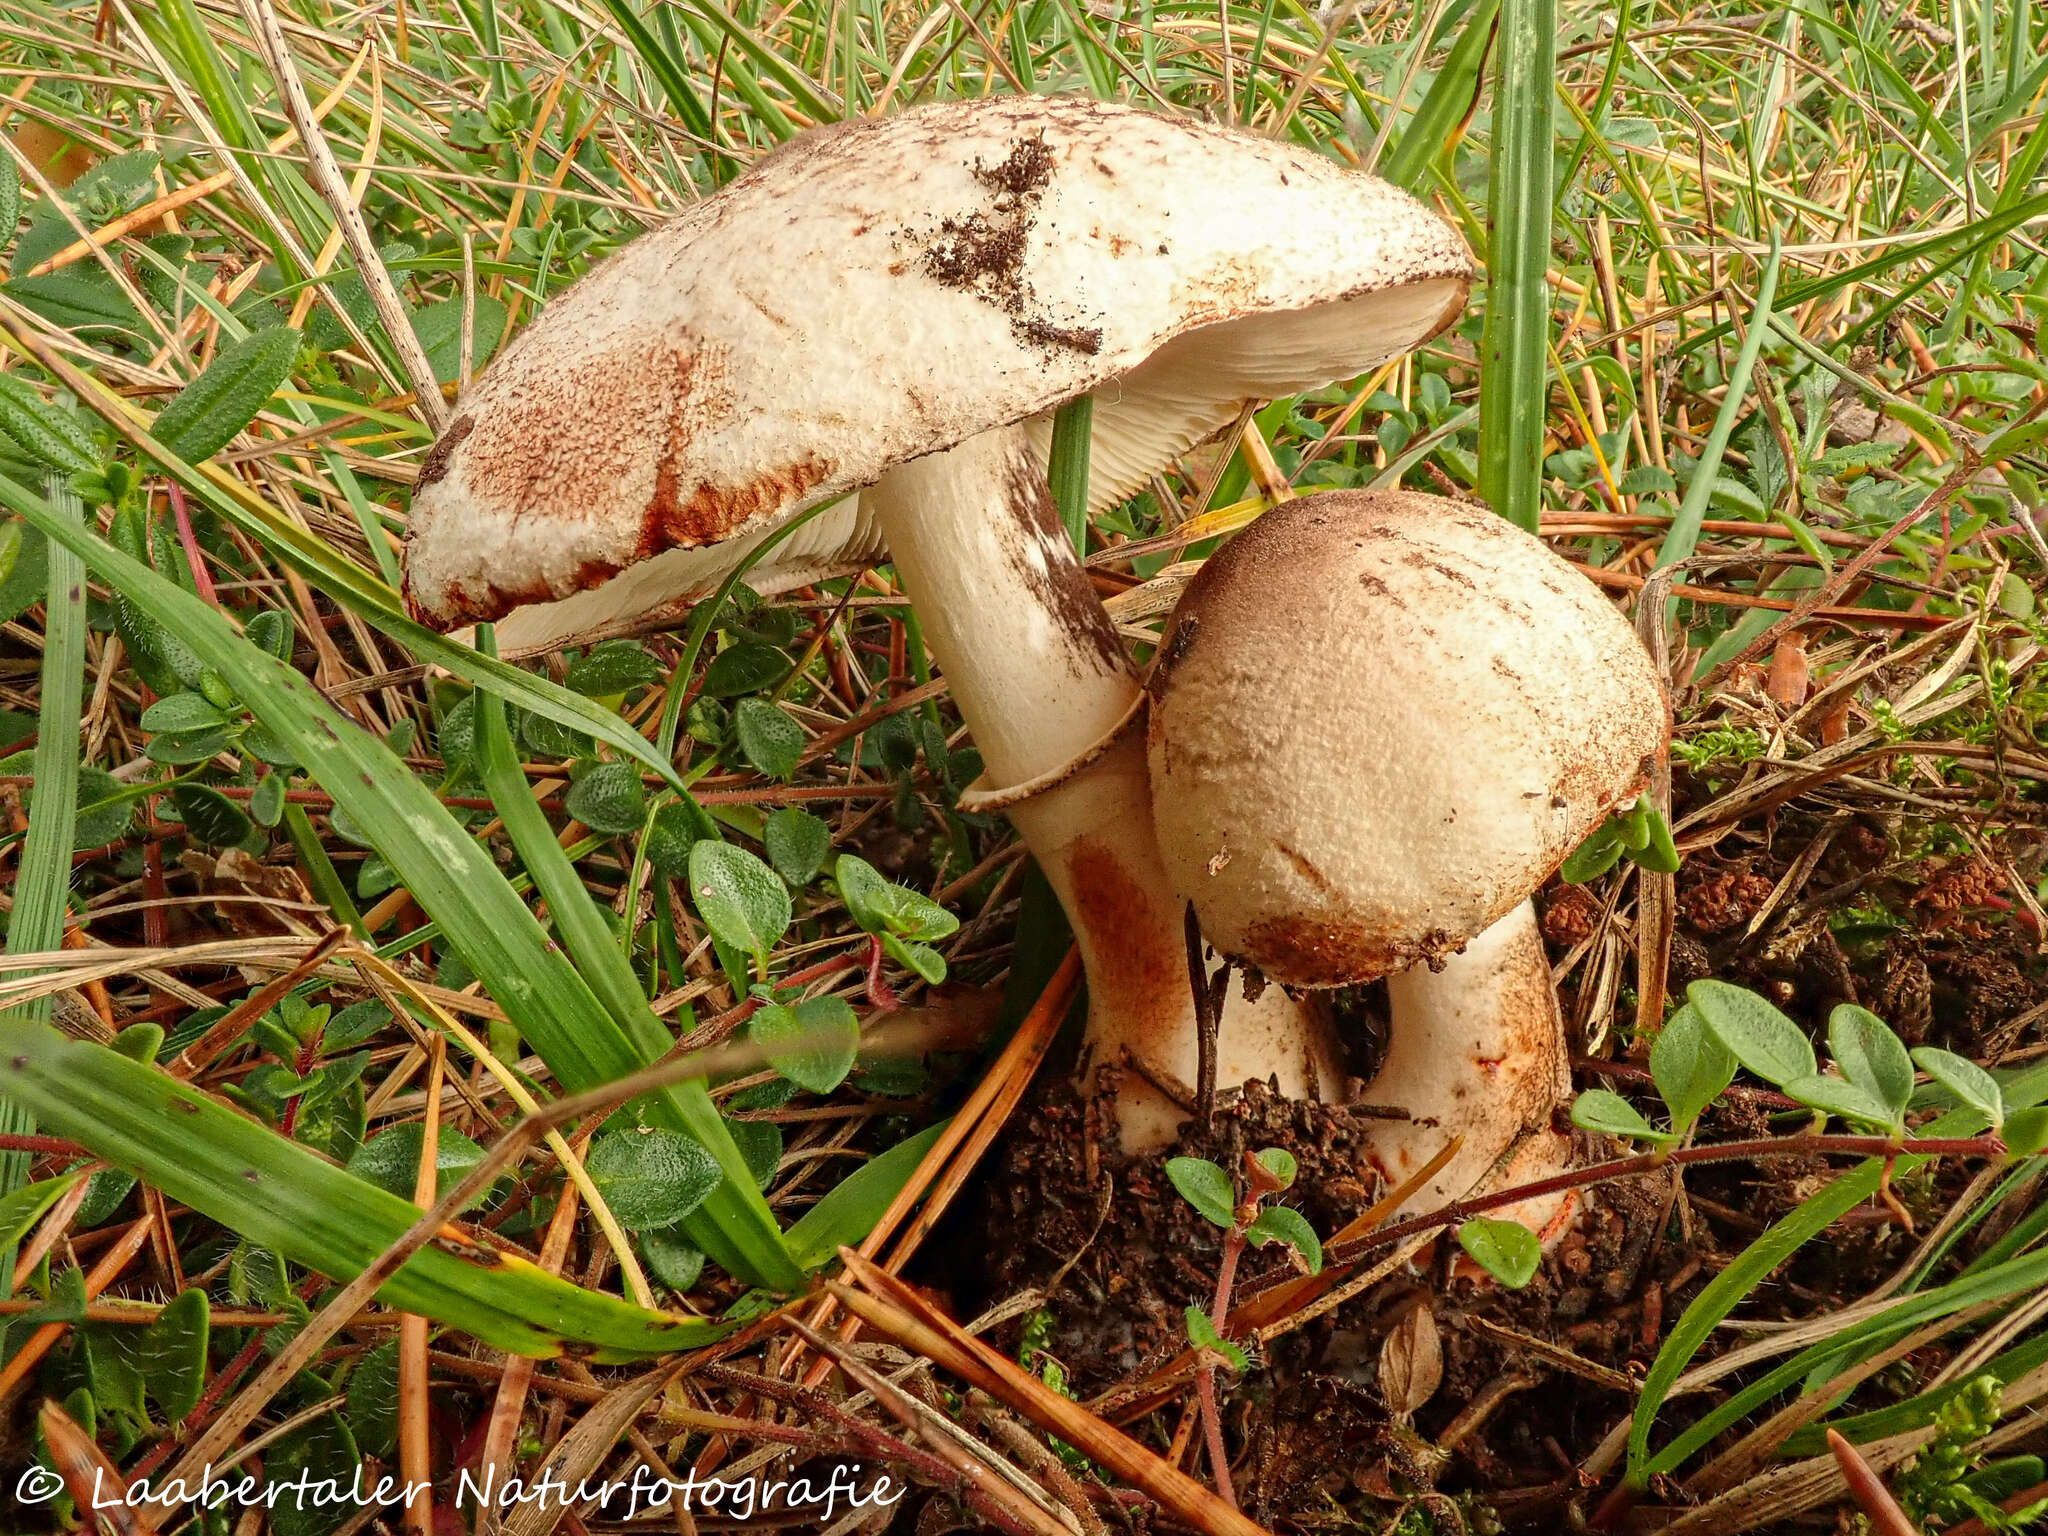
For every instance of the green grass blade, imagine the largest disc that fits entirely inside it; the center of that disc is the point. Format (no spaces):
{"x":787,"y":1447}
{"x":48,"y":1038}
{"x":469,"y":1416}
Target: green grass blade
{"x":668,"y":71}
{"x":437,"y":860}
{"x":849,"y":1210}
{"x":1725,"y":1290}
{"x":274,"y":1192}
{"x":1514,"y":384}
{"x":42,"y":889}
{"x":1446,"y":104}
{"x":734,"y":1226}
{"x":1684,"y":533}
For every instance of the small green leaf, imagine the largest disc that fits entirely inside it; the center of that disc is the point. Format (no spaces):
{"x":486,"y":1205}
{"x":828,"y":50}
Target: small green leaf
{"x":740,"y":899}
{"x":1658,"y":852}
{"x":617,"y":666}
{"x":1690,"y":1067}
{"x":266,"y":805}
{"x":173,"y":1355}
{"x":1759,"y":1036}
{"x":1836,"y":1096}
{"x":210,"y":816}
{"x":1611,"y":1115}
{"x":744,"y":668}
{"x":652,"y":1178}
{"x":671,"y":1258}
{"x":439,"y":328}
{"x":1284,"y":1224}
{"x":1971,"y":1084}
{"x":1869,"y":1055}
{"x":1279,"y":1162}
{"x":75,"y":303}
{"x":10,"y":199}
{"x":183,"y":713}
{"x":106,"y":808}
{"x":373,"y":1401}
{"x":206,"y":414}
{"x":609,"y":798}
{"x":1506,"y":1250}
{"x":1203,"y":1335}
{"x":1596,"y":855}
{"x":391,"y":1158}
{"x":880,"y":906}
{"x":22,"y":1208}
{"x":921,"y":958}
{"x":771,"y":740}
{"x":678,"y":826}
{"x":797,"y":843}
{"x":271,"y":630}
{"x":1206,"y":1187}
{"x":48,"y":434}
{"x":812,"y":1043}
{"x":2026,"y":1131}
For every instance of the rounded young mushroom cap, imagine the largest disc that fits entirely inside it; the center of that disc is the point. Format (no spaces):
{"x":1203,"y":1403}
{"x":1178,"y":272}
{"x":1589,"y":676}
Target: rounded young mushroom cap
{"x":883,"y":289}
{"x":1380,"y":721}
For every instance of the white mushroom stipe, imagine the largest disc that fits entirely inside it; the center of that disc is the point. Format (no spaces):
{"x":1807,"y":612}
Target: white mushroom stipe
{"x":1380,"y":721}
{"x":1477,"y":1050}
{"x":1040,"y":676}
{"x":898,"y":307}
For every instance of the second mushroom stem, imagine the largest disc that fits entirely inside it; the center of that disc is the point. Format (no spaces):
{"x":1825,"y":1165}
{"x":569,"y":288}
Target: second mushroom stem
{"x":1042,"y":679}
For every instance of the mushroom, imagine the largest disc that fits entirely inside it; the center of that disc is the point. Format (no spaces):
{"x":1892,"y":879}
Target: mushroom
{"x":1381,"y":720}
{"x":899,"y":306}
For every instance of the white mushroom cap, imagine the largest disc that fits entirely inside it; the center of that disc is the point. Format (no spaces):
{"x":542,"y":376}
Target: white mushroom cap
{"x":1381,"y":720}
{"x":883,"y":289}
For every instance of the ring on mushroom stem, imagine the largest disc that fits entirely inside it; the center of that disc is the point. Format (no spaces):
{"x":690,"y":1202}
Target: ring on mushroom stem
{"x":900,"y":306}
{"x":1381,"y":723}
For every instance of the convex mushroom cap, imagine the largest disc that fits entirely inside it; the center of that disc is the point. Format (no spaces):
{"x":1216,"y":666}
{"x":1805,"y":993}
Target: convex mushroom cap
{"x":1380,"y":721}
{"x":882,"y":289}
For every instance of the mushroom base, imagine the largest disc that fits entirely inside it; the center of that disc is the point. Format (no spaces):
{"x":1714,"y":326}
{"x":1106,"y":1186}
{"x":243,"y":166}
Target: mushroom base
{"x":1477,"y":1050}
{"x":1093,"y":837}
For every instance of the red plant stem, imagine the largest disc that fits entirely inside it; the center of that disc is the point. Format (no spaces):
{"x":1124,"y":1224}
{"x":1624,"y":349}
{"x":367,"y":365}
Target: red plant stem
{"x":193,"y":557}
{"x":1650,"y":1162}
{"x":42,"y":1144}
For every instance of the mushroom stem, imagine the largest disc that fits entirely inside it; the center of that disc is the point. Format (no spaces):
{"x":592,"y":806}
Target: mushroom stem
{"x":1478,"y":1049}
{"x":1041,"y":677}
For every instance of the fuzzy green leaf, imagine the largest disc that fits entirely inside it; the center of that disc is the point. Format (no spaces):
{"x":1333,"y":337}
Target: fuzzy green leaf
{"x":609,"y":798}
{"x":1970,"y":1083}
{"x":1284,"y":1224}
{"x":52,"y":436}
{"x":653,"y":1178}
{"x":1506,"y":1250}
{"x":1610,"y":1114}
{"x":206,"y":414}
{"x":797,"y":843}
{"x":1758,"y":1035}
{"x":812,"y":1043}
{"x":1690,"y":1067}
{"x":771,"y":740}
{"x":1206,"y":1187}
{"x":742,"y":901}
{"x":1869,"y":1055}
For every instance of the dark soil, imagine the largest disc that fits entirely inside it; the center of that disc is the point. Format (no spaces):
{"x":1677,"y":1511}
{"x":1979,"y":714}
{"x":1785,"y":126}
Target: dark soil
{"x":1531,"y":1381}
